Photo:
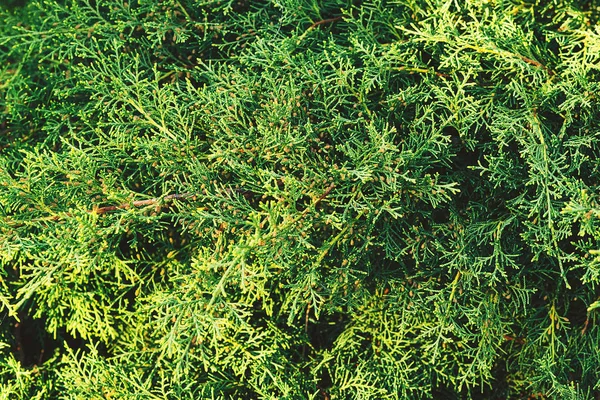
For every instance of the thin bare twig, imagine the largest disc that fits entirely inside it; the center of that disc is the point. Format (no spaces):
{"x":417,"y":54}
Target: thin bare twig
{"x":322,"y":22}
{"x":306,"y":319}
{"x":316,"y":203}
{"x":107,"y":209}
{"x":141,"y":203}
{"x":536,"y":64}
{"x":326,"y":21}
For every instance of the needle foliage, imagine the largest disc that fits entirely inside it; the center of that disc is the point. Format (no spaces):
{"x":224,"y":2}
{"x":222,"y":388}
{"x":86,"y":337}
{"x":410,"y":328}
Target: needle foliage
{"x":294,"y":199}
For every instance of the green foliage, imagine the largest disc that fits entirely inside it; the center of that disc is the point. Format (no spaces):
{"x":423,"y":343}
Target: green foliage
{"x":299,"y":199}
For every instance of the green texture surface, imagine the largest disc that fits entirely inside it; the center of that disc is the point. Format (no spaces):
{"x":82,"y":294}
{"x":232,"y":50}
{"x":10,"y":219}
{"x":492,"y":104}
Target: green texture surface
{"x":299,"y":199}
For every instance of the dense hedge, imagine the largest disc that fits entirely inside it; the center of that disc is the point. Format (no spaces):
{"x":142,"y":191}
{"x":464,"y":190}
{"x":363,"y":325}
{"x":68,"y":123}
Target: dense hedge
{"x":299,"y":199}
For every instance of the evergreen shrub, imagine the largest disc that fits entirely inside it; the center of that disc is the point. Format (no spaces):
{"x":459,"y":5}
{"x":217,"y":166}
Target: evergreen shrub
{"x":294,"y":199}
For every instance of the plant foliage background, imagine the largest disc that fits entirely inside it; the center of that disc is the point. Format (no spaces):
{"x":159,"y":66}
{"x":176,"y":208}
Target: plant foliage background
{"x":299,"y":199}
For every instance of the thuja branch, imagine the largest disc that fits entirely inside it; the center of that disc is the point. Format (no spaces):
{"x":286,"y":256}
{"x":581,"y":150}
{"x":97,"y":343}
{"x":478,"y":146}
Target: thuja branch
{"x":327,"y":21}
{"x":102,"y":210}
{"x":490,"y":48}
{"x":141,"y":203}
{"x":421,"y":71}
{"x":321,"y":22}
{"x":150,"y":202}
{"x":317,"y":201}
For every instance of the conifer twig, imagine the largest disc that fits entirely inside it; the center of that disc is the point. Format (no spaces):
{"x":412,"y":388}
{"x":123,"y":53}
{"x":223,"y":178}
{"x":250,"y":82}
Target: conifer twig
{"x":326,"y":21}
{"x":536,"y":64}
{"x":107,"y":209}
{"x":141,"y":203}
{"x":323,"y":195}
{"x":321,"y":22}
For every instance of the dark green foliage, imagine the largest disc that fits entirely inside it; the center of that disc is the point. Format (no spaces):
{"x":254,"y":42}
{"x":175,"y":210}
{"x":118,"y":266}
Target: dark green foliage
{"x":299,"y":199}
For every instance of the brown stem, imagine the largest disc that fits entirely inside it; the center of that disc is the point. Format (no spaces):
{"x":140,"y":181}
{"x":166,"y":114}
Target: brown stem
{"x":326,"y":21}
{"x":306,"y":319}
{"x":536,"y":64}
{"x":585,"y":326}
{"x":322,"y":22}
{"x":141,"y":203}
{"x":325,"y":194}
{"x":107,"y":209}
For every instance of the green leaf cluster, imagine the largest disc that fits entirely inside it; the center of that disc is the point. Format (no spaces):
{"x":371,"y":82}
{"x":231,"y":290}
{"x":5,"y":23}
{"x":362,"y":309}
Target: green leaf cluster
{"x":299,"y":199}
